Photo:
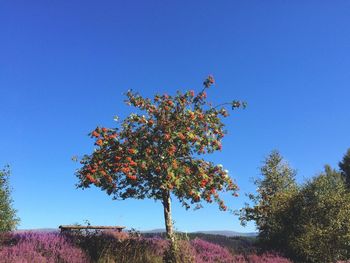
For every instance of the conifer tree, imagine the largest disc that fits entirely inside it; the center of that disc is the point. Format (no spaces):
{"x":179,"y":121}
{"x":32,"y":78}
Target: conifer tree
{"x":345,"y":168}
{"x":274,"y":191}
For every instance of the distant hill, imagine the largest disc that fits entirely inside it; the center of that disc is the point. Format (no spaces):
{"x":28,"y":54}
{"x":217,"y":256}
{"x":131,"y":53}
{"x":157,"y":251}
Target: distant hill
{"x":228,"y":233}
{"x":158,"y":230}
{"x":37,"y":230}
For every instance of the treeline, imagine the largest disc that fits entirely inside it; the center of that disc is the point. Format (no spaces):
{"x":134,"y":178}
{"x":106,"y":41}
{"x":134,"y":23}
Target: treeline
{"x":308,"y":222}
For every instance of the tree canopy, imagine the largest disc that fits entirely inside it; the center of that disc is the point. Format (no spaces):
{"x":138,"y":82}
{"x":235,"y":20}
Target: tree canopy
{"x":321,"y":220}
{"x":308,"y":223}
{"x":344,"y":166}
{"x":160,"y":150}
{"x":156,"y":152}
{"x":274,"y":190}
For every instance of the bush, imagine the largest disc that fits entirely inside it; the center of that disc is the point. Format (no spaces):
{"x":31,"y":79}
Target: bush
{"x":112,"y":247}
{"x":267,"y":258}
{"x":209,"y":252}
{"x":40,"y":247}
{"x":120,"y":247}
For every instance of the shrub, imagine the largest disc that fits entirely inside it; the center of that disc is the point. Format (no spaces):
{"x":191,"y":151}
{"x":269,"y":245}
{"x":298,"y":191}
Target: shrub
{"x":209,"y":252}
{"x":41,"y":247}
{"x":112,"y":247}
{"x":120,"y":247}
{"x":267,"y":258}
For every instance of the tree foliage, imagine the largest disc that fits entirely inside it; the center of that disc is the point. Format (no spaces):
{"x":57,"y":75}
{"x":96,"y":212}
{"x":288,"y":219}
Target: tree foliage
{"x":345,"y":167}
{"x":321,"y":220}
{"x":156,"y":151}
{"x":8,"y":218}
{"x":308,"y":223}
{"x":274,"y":191}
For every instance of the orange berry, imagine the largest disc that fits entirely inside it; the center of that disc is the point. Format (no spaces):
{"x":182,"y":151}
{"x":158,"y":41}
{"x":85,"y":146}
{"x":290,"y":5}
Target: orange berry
{"x":91,"y":179}
{"x":95,"y":134}
{"x":132,"y":151}
{"x":113,"y":136}
{"x":181,"y":136}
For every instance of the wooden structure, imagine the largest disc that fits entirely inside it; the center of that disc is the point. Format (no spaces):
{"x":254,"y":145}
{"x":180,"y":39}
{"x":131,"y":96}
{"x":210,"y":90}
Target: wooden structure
{"x":70,"y":228}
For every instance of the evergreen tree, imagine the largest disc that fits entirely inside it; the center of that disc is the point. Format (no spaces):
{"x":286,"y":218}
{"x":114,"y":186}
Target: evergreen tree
{"x":308,"y":223}
{"x":8,"y":218}
{"x":345,"y":168}
{"x":271,"y":202}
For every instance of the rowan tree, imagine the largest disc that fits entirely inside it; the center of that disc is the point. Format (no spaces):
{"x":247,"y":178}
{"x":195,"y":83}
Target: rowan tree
{"x":156,"y":152}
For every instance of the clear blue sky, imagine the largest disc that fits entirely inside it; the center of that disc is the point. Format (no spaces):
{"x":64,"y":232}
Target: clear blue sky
{"x":65,"y":64}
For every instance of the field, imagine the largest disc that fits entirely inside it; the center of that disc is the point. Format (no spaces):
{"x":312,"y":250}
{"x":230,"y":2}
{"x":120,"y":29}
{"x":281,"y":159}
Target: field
{"x":125,"y":247}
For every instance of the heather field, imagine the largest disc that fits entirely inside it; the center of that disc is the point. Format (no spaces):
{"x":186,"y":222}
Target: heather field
{"x":40,"y":247}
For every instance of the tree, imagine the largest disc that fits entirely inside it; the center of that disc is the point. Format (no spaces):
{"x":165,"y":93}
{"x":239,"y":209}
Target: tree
{"x":344,"y":166}
{"x":157,"y":155}
{"x":321,"y":220}
{"x":8,"y":219}
{"x":308,"y":223}
{"x":274,"y":191}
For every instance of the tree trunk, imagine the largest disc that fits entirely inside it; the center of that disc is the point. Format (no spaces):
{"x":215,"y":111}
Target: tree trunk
{"x":167,"y":215}
{"x":171,"y":256}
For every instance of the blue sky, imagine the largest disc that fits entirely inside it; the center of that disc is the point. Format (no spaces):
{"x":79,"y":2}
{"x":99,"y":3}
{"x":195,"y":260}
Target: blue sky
{"x":64,"y":66}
